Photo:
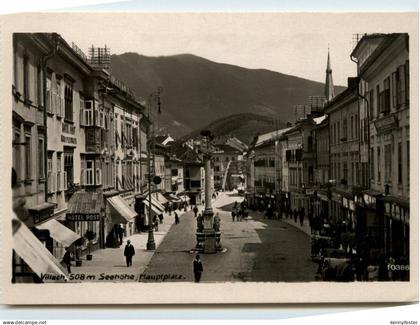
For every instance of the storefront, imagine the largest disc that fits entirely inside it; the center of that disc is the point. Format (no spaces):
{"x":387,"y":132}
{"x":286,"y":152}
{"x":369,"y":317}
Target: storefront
{"x":31,"y":259}
{"x":369,"y":223}
{"x":85,"y":214}
{"x":119,"y":212}
{"x":397,"y":227}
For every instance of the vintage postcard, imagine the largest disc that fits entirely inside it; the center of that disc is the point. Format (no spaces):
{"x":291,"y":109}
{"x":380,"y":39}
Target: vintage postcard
{"x":209,"y":158}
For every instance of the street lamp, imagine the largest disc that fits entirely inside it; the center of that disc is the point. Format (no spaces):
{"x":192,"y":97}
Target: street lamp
{"x":151,"y":245}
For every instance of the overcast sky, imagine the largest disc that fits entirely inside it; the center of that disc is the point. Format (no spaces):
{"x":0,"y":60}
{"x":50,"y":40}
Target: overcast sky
{"x":291,"y":44}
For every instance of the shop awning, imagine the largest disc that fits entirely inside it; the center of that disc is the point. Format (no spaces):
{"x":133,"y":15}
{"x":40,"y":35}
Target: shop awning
{"x":402,"y":202}
{"x":155,"y":209}
{"x":172,"y":197}
{"x":184,"y":198}
{"x":59,"y":232}
{"x":122,"y":208}
{"x":159,"y":196}
{"x":82,"y":202}
{"x":34,"y":253}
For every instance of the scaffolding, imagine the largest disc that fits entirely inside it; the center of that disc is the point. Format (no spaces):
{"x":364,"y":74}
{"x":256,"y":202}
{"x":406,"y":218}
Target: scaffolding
{"x":100,"y":57}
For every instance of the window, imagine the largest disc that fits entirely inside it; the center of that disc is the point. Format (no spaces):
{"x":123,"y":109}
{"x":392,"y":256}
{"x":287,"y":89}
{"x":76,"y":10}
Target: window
{"x":59,"y":173}
{"x":372,"y":174}
{"x":38,"y":85}
{"x":68,"y":103}
{"x":400,"y":163}
{"x":344,"y":136}
{"x":41,"y":174}
{"x":407,"y":82}
{"x":68,"y":167}
{"x":378,"y":100}
{"x":388,"y":163}
{"x":385,"y":98}
{"x":58,"y":99}
{"x":345,"y":171}
{"x":371,"y":110}
{"x":16,"y":152}
{"x":89,"y":172}
{"x":25,"y":77}
{"x":50,"y":176}
{"x":27,"y":156}
{"x":48,"y":104}
{"x":87,"y":119}
{"x":378,"y":164}
{"x":351,"y":127}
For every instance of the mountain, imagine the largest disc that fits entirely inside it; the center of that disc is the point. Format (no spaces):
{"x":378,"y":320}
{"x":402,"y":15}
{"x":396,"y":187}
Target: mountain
{"x":243,"y":123}
{"x":197,"y":91}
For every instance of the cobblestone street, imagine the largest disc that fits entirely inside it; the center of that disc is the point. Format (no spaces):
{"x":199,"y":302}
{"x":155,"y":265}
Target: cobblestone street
{"x":258,"y":249}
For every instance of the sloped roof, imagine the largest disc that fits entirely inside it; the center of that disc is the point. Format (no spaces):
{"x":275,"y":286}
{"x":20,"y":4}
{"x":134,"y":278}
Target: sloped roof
{"x":267,"y":137}
{"x":319,"y":120}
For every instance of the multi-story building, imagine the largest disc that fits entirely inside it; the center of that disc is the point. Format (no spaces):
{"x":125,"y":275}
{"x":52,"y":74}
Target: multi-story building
{"x":300,"y":163}
{"x":77,"y":148}
{"x":227,"y":163}
{"x":344,"y":131}
{"x":383,"y":66}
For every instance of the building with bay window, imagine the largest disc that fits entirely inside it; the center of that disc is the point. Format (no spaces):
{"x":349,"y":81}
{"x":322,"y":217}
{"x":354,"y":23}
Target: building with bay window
{"x":383,"y":66}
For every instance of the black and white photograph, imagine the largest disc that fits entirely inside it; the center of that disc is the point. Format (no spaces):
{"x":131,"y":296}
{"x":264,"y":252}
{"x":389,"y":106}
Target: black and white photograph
{"x":211,"y":149}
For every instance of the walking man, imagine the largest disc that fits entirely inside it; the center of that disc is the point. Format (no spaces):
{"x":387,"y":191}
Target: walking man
{"x":301,"y":216}
{"x":197,"y":268}
{"x":129,"y":253}
{"x":195,"y":211}
{"x":176,"y":218}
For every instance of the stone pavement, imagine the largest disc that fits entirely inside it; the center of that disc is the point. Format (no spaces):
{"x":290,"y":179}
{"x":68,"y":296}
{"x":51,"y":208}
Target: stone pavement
{"x":109,"y":264}
{"x":258,"y":249}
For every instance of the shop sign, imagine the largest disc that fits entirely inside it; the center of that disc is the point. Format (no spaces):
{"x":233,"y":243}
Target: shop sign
{"x":69,"y":140}
{"x":83,"y":217}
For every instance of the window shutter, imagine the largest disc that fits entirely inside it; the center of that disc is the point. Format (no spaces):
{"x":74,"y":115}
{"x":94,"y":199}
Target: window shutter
{"x":98,"y":176}
{"x":65,"y":180}
{"x":394,"y":89}
{"x":402,"y":83}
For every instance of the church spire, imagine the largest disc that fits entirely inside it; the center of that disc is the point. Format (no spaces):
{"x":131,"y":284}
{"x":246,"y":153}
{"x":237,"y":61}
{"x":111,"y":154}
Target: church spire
{"x":329,"y":86}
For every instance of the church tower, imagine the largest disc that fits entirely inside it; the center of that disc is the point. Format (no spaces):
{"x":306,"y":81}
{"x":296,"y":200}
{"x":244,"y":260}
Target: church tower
{"x":329,"y":86}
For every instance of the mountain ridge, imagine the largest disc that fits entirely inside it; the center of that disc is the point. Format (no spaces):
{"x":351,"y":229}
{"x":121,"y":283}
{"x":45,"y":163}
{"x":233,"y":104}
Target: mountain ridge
{"x":198,"y":91}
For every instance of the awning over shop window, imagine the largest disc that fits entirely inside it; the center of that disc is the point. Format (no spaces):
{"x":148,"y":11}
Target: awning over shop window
{"x":155,"y":202}
{"x":155,"y":209}
{"x":34,"y":253}
{"x":173,"y":197}
{"x":83,"y":202}
{"x":122,"y":208}
{"x":159,"y":196}
{"x":59,"y":232}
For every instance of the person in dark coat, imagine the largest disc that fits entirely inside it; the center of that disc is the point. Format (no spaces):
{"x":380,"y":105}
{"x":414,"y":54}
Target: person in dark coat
{"x":197,"y":268}
{"x":195,"y":211}
{"x":161,"y":218}
{"x":176,"y":218}
{"x":67,"y":259}
{"x":120,"y":234}
{"x":295,"y":215}
{"x":233,"y":215}
{"x":129,"y":253}
{"x":301,"y":216}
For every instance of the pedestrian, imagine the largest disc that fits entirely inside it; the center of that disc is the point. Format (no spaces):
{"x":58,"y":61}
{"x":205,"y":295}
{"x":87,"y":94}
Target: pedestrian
{"x":129,"y":253}
{"x":156,"y":225}
{"x":176,"y":218}
{"x":67,"y":260}
{"x":195,"y":211}
{"x":161,"y":218}
{"x":197,"y":268}
{"x":120,"y":234}
{"x":233,"y":215}
{"x":295,"y":215}
{"x":301,"y":216}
